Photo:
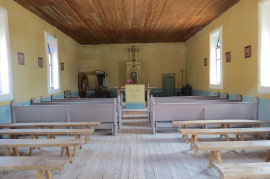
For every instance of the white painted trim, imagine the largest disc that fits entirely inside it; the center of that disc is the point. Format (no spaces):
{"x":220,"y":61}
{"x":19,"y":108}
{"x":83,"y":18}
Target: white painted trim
{"x":261,"y":89}
{"x":8,"y":96}
{"x":220,"y":85}
{"x":51,"y":91}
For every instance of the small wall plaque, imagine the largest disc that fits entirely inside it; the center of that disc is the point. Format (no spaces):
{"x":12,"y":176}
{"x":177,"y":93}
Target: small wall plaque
{"x":20,"y":58}
{"x":40,"y":62}
{"x":228,"y":56}
{"x":248,"y":51}
{"x":62,"y":66}
{"x":205,"y":62}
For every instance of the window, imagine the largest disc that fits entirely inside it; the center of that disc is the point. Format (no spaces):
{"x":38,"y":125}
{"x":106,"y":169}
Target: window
{"x":264,"y":46}
{"x":215,"y":46}
{"x":52,"y":63}
{"x":6,"y":93}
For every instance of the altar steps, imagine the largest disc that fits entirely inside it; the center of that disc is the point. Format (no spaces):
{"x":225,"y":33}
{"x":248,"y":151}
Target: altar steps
{"x":134,"y":114}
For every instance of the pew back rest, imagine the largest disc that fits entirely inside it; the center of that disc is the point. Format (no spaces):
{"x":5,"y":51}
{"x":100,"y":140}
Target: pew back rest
{"x":83,"y":100}
{"x":22,"y":114}
{"x":64,"y":113}
{"x":177,"y":111}
{"x":98,"y":112}
{"x":201,"y":111}
{"x":72,"y":102}
{"x":237,"y":110}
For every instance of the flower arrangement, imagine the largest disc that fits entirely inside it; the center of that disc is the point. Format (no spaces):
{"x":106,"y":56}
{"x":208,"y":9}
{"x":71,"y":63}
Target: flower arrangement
{"x":129,"y":82}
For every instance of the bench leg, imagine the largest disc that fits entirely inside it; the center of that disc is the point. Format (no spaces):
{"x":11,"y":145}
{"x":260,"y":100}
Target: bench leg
{"x":7,"y":152}
{"x":183,"y":136}
{"x":74,"y":150}
{"x":211,"y":159}
{"x":219,"y":160}
{"x":192,"y":141}
{"x":37,"y":137}
{"x":196,"y":140}
{"x":48,"y":174}
{"x":242,"y":139}
{"x":15,"y":151}
{"x":63,"y":151}
{"x":69,"y":154}
{"x":39,"y":174}
{"x":79,"y":137}
{"x":186,"y":136}
{"x":31,"y":148}
{"x":267,"y":156}
{"x":222,"y":126}
{"x":236,"y":137}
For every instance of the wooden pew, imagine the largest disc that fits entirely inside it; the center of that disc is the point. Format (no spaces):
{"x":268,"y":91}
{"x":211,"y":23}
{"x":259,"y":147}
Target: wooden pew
{"x":243,"y":170}
{"x":50,"y":125}
{"x":217,"y":147}
{"x":39,"y":164}
{"x":238,"y":132}
{"x":224,"y":123}
{"x":48,"y":132}
{"x":73,"y":101}
{"x":106,"y":114}
{"x":168,"y":112}
{"x":65,"y":145}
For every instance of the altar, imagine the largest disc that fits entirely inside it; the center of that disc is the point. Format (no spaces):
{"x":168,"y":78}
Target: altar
{"x":120,"y":91}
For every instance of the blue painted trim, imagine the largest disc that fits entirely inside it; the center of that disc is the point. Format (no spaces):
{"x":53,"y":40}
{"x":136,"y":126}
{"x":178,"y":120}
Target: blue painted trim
{"x":135,"y":106}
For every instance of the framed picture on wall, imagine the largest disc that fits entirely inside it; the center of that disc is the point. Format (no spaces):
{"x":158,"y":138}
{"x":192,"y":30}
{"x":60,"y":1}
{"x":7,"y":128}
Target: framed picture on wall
{"x":248,"y":51}
{"x":40,"y":62}
{"x":20,"y":58}
{"x":205,"y":62}
{"x":228,"y":56}
{"x":62,"y":66}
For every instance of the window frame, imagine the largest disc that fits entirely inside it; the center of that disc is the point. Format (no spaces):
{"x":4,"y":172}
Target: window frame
{"x":261,"y":88}
{"x":55,"y":65}
{"x":213,"y":58}
{"x":9,"y":94}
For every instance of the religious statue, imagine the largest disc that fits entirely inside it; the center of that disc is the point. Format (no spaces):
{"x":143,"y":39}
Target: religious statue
{"x":133,"y":76}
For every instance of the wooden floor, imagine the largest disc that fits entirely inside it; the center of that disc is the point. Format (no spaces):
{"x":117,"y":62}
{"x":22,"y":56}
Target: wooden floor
{"x":136,"y":153}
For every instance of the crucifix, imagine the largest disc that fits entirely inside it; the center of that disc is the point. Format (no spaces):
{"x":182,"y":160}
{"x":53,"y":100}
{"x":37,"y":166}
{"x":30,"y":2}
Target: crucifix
{"x":133,"y":50}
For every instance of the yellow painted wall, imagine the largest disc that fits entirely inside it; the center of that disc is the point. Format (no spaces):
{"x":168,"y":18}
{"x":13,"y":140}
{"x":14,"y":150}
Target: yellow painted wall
{"x":156,"y":59}
{"x":240,"y":28}
{"x":26,"y":32}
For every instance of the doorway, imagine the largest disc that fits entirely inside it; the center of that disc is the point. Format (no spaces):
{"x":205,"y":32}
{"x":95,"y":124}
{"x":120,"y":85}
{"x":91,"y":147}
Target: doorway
{"x":169,"y":85}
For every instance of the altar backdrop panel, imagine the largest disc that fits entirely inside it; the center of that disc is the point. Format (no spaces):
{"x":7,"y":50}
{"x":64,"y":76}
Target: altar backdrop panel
{"x":155,"y":58}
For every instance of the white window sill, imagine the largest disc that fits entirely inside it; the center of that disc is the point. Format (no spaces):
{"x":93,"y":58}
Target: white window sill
{"x":53,"y":91}
{"x":6,"y":97}
{"x":215,"y":86}
{"x":263,"y":89}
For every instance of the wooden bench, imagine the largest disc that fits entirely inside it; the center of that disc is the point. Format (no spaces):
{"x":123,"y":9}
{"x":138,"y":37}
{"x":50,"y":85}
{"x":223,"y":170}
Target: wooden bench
{"x":216,"y":147}
{"x":224,"y":123}
{"x":243,"y":170}
{"x":238,"y":132}
{"x":49,"y":132}
{"x":65,"y":144}
{"x":50,"y":125}
{"x":39,"y":164}
{"x":106,"y":114}
{"x":168,"y":112}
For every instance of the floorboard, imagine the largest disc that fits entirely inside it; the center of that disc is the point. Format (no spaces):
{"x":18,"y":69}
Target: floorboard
{"x":136,"y":154}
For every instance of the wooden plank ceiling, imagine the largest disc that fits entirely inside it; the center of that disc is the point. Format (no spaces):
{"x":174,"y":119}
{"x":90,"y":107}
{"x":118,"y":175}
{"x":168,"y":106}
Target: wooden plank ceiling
{"x":128,"y":21}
